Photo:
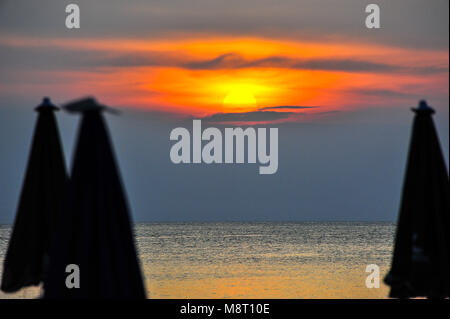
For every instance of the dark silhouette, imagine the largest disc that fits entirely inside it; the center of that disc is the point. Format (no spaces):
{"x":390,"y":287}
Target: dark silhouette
{"x":420,"y":265}
{"x":95,"y":231}
{"x":38,"y":207}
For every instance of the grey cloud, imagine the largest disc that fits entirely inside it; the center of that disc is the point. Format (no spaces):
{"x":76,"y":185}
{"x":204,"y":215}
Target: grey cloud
{"x":228,"y":60}
{"x":255,"y":116}
{"x":48,"y":57}
{"x":322,"y":64}
{"x":384,"y":93}
{"x":406,"y":23}
{"x":235,"y":61}
{"x":294,"y":107}
{"x":263,"y":116}
{"x":51,"y":57}
{"x":345,"y":65}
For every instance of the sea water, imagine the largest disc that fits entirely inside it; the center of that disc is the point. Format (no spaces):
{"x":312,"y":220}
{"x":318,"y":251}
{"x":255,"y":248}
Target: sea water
{"x":256,"y":260}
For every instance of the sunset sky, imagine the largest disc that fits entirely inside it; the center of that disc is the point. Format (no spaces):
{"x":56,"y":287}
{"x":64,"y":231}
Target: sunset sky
{"x":293,"y":63}
{"x":200,"y":71}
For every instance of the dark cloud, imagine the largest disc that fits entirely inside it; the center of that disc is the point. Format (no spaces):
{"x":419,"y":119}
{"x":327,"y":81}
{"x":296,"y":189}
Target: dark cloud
{"x":261,"y":116}
{"x":345,"y":65}
{"x":322,"y":64}
{"x":235,"y":61}
{"x":57,"y":57}
{"x":281,"y":107}
{"x":131,"y":60}
{"x":228,"y":61}
{"x":383,"y":93}
{"x":255,"y":116}
{"x":264,"y":116}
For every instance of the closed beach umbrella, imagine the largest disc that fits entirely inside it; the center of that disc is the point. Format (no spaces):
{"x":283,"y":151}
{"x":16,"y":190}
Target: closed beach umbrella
{"x":95,"y":233}
{"x":38,"y":206}
{"x":420,"y":264}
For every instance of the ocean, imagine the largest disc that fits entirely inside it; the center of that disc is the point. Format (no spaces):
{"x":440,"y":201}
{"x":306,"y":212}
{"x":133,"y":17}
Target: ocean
{"x":256,"y":260}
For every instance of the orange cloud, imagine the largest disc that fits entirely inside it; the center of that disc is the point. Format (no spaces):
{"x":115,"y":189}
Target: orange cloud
{"x":212,"y":75}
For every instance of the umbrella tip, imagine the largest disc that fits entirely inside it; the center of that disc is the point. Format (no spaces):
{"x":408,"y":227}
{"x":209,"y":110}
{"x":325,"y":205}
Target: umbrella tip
{"x":423,"y":108}
{"x":46,"y":104}
{"x":87,"y":104}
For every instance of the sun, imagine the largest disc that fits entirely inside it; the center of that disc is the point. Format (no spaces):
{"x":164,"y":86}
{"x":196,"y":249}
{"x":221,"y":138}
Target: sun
{"x":239,"y":98}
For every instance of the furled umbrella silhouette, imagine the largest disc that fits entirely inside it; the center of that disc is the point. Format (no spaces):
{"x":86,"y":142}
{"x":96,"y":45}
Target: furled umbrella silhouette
{"x":95,"y":233}
{"x":38,"y":207}
{"x":420,"y":264}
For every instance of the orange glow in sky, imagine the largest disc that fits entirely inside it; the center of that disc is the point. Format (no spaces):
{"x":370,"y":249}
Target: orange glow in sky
{"x":223,"y":74}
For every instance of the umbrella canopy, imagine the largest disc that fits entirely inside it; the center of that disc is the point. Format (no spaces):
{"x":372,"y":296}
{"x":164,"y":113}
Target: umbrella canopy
{"x":420,"y":264}
{"x":38,"y":207}
{"x":95,"y":233}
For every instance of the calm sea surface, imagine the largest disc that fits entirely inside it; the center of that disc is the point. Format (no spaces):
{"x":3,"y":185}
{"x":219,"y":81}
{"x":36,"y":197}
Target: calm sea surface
{"x":256,"y":260}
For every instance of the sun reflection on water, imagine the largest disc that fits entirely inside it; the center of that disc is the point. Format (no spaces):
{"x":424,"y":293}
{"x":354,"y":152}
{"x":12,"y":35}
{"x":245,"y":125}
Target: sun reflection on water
{"x":256,"y":260}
